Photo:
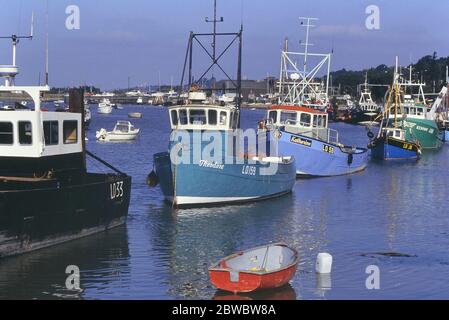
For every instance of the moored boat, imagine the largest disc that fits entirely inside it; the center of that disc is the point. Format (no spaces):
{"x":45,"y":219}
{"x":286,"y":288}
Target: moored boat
{"x":417,"y":122}
{"x":47,"y":196}
{"x":197,"y":171}
{"x":367,"y":112}
{"x":301,"y":127}
{"x":392,"y":141}
{"x":265,"y":267}
{"x":123,"y":131}
{"x":224,"y":177}
{"x":136,"y":115}
{"x":303,"y":133}
{"x":104,"y":107}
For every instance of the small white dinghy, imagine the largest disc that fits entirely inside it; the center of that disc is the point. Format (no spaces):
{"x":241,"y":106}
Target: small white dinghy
{"x":123,"y":131}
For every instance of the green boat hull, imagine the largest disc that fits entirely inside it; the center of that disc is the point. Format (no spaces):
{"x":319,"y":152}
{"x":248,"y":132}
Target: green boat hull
{"x":425,"y":131}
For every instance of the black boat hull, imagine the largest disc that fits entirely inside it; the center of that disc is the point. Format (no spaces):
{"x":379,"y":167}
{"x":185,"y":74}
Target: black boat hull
{"x":50,"y":212}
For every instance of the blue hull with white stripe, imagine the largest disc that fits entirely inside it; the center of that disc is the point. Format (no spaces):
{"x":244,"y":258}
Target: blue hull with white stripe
{"x":209,"y":183}
{"x":314,"y":158}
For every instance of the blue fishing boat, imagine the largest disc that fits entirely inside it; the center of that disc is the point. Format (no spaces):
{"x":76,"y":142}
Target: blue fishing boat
{"x":299,"y":122}
{"x":208,"y":161}
{"x":192,"y":174}
{"x":391,"y":144}
{"x":392,"y":141}
{"x":302,"y":132}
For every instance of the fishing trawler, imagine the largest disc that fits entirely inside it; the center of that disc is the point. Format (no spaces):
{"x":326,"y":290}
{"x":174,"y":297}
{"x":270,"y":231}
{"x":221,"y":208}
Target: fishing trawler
{"x":392,"y":141}
{"x":367,"y":111}
{"x":192,"y":173}
{"x":301,"y":127}
{"x":418,"y":124}
{"x":46,"y":194}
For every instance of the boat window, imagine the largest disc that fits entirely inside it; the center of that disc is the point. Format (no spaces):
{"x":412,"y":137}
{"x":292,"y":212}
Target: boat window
{"x":51,"y":132}
{"x":273,"y":115}
{"x":6,"y":133}
{"x":121,"y":127}
{"x":197,"y":116}
{"x":70,"y":131}
{"x":183,"y":116}
{"x":212,"y":115}
{"x":25,"y":132}
{"x":397,"y":134}
{"x":406,"y":110}
{"x":390,"y":133}
{"x":419,"y":111}
{"x":174,"y":117}
{"x":318,"y":121}
{"x":412,"y":111}
{"x":223,"y":117}
{"x":305,"y":119}
{"x":291,"y":116}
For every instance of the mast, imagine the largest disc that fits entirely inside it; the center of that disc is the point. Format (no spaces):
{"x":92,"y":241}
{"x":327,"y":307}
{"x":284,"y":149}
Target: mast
{"x":215,"y":57}
{"x":214,"y":21}
{"x":13,"y":69}
{"x":308,"y":25}
{"x":46,"y":45}
{"x":395,"y":88}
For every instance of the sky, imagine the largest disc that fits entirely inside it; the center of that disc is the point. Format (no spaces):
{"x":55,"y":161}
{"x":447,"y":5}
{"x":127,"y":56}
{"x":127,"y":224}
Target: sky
{"x":146,"y":40}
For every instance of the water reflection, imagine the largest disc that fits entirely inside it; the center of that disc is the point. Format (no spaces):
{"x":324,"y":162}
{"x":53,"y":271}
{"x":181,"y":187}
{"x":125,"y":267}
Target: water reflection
{"x":192,"y":239}
{"x":103,"y":260}
{"x":323,"y":284}
{"x":286,"y":292}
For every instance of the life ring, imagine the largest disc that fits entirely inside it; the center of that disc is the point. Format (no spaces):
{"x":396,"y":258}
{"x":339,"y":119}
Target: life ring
{"x":370,"y":134}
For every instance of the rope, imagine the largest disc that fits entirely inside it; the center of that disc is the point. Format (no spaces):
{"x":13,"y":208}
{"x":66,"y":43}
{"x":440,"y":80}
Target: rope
{"x":103,"y":162}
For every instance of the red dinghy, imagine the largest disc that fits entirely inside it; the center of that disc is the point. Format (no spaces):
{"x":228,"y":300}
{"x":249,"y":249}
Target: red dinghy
{"x":264,"y":267}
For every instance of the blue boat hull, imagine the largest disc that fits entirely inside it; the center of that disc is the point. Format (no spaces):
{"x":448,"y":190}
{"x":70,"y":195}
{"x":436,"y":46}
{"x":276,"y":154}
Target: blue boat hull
{"x":208,"y":183}
{"x":315,"y":158}
{"x":393,"y":149}
{"x":445,"y":135}
{"x":193,"y":185}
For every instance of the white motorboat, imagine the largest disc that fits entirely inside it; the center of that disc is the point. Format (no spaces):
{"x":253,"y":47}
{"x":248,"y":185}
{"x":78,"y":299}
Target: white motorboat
{"x":136,"y":115}
{"x":104,"y":107}
{"x":123,"y":131}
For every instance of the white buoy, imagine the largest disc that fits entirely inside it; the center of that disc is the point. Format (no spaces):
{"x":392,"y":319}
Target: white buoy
{"x":323,"y":263}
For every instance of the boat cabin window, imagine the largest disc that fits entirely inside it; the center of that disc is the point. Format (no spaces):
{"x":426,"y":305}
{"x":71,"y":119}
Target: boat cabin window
{"x":51,"y":132}
{"x":289,"y":116}
{"x":70,"y":131}
{"x":182,"y":116}
{"x":223,"y":118}
{"x":397,"y":133}
{"x":174,"y":117}
{"x":212,"y":115}
{"x":273,"y":115}
{"x":197,"y":116}
{"x":25,"y":132}
{"x":305,"y":120}
{"x":319,"y":121}
{"x":419,"y":111}
{"x":6,"y":133}
{"x":406,"y":110}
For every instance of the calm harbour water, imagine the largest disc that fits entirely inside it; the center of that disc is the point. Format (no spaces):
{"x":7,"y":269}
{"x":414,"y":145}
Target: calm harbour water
{"x":164,"y":254}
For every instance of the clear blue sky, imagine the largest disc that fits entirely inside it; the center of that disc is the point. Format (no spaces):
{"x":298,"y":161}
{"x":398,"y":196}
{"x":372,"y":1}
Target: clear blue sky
{"x":140,"y":38}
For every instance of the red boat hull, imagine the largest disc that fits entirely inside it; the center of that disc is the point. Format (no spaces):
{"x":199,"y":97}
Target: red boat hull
{"x":249,"y":281}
